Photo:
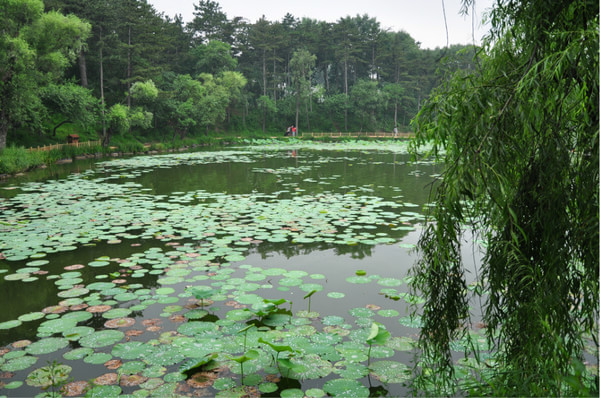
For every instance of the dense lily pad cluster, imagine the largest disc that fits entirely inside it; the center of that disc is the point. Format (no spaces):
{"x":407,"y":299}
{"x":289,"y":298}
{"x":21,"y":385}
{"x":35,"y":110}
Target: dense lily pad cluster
{"x":181,"y":312}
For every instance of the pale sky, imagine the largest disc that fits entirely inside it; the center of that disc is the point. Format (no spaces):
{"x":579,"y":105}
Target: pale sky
{"x":422,"y":19}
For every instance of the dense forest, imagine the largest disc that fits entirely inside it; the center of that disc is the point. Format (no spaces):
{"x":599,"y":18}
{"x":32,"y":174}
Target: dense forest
{"x":111,"y":67}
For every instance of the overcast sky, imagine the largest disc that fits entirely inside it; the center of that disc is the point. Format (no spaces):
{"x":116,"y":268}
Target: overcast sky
{"x":422,"y":19}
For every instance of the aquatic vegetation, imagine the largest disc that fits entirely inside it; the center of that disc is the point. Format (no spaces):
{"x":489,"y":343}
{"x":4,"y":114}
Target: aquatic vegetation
{"x":192,"y":285}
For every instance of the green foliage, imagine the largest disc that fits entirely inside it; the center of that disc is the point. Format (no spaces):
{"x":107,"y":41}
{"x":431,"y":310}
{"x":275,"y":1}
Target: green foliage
{"x":519,"y":139}
{"x":73,"y":102}
{"x":140,"y":118}
{"x":35,"y":49}
{"x":17,"y":159}
{"x":214,"y":58}
{"x":53,"y":377}
{"x":144,"y":92}
{"x":377,"y":335}
{"x":139,"y":52}
{"x":366,"y":99}
{"x":191,"y":366}
{"x":118,"y":119}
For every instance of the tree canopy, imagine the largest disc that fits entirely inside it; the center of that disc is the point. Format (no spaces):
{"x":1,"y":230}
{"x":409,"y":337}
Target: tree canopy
{"x":35,"y":49}
{"x":127,"y":42}
{"x":519,"y":139}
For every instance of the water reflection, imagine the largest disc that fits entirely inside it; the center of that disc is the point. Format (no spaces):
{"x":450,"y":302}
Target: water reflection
{"x":300,"y":178}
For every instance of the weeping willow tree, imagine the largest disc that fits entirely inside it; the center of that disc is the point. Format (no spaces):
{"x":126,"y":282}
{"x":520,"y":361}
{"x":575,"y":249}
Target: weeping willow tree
{"x":519,"y":140}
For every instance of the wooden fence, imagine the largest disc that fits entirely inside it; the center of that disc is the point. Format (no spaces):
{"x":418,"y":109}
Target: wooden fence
{"x":360,"y":134}
{"x":60,"y":146}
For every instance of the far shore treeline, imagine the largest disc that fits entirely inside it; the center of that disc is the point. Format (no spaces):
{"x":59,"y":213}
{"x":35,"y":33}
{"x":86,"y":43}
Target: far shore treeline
{"x":118,"y":70}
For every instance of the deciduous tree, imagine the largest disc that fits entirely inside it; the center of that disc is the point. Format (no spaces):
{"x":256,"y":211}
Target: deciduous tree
{"x":520,"y":137}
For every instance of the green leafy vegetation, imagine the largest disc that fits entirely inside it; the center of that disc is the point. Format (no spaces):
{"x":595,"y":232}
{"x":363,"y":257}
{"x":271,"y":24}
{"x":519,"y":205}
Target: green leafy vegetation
{"x":519,"y":138}
{"x":129,"y":71}
{"x":163,"y":293}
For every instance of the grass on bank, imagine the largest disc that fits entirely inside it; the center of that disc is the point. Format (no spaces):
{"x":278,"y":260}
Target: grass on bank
{"x":18,"y":158}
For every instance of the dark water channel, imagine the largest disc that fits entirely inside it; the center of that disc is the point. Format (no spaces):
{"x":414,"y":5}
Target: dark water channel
{"x":248,"y":223}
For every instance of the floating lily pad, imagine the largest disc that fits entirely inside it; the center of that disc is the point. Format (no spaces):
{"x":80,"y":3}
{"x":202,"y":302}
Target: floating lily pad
{"x":102,"y":338}
{"x":60,"y":325}
{"x":10,"y":324}
{"x":46,"y":346}
{"x":351,"y":370}
{"x":98,"y":264}
{"x":78,"y":316}
{"x":411,"y":321}
{"x":314,"y":393}
{"x":345,"y":388}
{"x":17,"y":364}
{"x":131,"y":350}
{"x":391,"y":371}
{"x":197,"y":314}
{"x":47,"y":376}
{"x":389,"y":282}
{"x":132,"y":367}
{"x":358,"y":279}
{"x":97,"y":358}
{"x":78,"y":353}
{"x":292,"y":393}
{"x":388,"y":313}
{"x":104,"y":392}
{"x":77,"y":332}
{"x":116,"y":313}
{"x":13,"y":385}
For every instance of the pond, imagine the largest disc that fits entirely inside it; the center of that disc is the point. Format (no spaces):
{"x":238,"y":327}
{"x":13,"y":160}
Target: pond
{"x":272,"y":269}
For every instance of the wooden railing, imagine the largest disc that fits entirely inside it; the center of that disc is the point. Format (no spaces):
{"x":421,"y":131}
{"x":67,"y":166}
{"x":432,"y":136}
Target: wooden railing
{"x":358,"y":134}
{"x":59,"y":146}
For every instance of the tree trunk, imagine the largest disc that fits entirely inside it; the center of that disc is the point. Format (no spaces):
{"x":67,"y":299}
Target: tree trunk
{"x":105,"y":137}
{"x":297,"y":110}
{"x":129,"y":67}
{"x":264,"y":73}
{"x":58,"y":125}
{"x":3,"y":130}
{"x":346,"y":92}
{"x":307,"y":118}
{"x":83,"y":69}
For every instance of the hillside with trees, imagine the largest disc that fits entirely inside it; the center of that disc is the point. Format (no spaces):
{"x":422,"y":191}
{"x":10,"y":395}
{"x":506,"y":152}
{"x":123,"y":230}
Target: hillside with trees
{"x":121,"y":67}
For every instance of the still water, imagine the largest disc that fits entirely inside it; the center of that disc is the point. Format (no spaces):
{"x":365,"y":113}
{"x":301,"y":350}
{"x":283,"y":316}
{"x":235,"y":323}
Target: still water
{"x":125,"y":269}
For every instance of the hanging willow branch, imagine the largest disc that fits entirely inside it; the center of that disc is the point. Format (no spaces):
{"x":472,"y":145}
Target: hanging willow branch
{"x":519,"y":139}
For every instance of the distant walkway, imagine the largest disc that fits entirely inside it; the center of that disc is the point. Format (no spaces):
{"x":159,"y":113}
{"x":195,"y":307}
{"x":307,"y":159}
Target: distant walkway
{"x":60,"y":146}
{"x":361,"y":134}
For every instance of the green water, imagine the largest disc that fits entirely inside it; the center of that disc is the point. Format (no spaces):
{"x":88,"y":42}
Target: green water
{"x":252,"y":223}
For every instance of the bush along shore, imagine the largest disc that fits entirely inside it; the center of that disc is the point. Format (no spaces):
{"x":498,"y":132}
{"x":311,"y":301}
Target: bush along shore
{"x":15,"y":160}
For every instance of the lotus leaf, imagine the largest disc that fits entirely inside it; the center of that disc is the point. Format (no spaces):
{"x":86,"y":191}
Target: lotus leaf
{"x":48,"y":375}
{"x":197,"y":328}
{"x":97,"y":358}
{"x":292,"y":393}
{"x":345,"y":388}
{"x":351,"y":370}
{"x":77,"y":332}
{"x":78,"y":353}
{"x":32,"y":316}
{"x":154,"y":371}
{"x":116,"y":313}
{"x":101,"y":338}
{"x":314,"y":393}
{"x":13,"y":385}
{"x":391,"y":371}
{"x":104,"y":392}
{"x":10,"y":324}
{"x":20,"y":363}
{"x":133,"y":367}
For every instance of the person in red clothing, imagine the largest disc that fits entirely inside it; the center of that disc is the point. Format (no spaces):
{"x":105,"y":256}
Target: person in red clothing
{"x":293,"y":130}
